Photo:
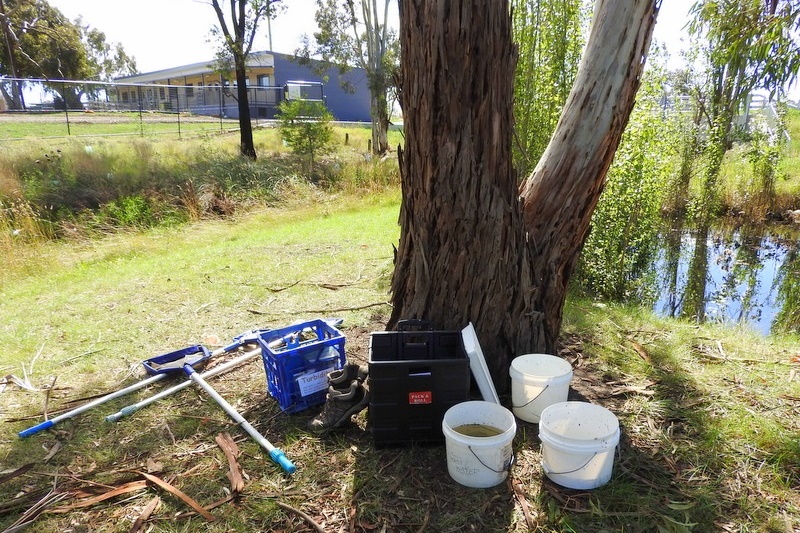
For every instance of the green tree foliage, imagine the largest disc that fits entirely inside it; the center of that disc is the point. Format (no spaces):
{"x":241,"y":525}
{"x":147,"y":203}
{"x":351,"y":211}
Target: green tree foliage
{"x":748,"y":45}
{"x":788,"y":318}
{"x":356,"y":33}
{"x":106,"y":61}
{"x":623,"y":239}
{"x":40,"y":42}
{"x":550,"y":38}
{"x":305,"y":126}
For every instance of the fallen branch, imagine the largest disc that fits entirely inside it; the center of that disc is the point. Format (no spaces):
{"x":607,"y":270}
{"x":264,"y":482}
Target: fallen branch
{"x":75,"y":357}
{"x":47,"y":396}
{"x":336,"y":310}
{"x":33,"y":513}
{"x":301,"y":514}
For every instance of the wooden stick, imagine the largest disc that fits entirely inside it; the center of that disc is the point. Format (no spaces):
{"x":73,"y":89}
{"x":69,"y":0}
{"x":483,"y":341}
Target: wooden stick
{"x":301,"y":514}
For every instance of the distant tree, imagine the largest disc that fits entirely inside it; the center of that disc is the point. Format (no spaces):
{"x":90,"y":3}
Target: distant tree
{"x":305,"y":126}
{"x":106,"y":60}
{"x":40,"y":42}
{"x":749,"y":44}
{"x":236,"y":42}
{"x":356,"y":33}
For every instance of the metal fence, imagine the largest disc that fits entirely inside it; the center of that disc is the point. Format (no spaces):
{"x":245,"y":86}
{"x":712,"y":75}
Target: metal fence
{"x":145,"y":108}
{"x":755,"y":107}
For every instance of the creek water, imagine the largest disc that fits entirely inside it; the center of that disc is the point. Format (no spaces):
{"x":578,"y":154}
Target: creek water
{"x":748,"y":276}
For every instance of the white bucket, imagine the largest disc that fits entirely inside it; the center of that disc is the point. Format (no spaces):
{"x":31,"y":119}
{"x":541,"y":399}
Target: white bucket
{"x":479,"y":462}
{"x":538,"y":380}
{"x":578,"y":444}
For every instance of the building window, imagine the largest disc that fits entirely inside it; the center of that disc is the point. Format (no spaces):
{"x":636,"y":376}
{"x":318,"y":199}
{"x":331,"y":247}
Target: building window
{"x":264,"y":81}
{"x":189,"y":90}
{"x":125,"y":96}
{"x":161,"y":92}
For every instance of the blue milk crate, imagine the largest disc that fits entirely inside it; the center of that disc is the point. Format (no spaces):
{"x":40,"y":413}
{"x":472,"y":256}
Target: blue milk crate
{"x":298,"y":359}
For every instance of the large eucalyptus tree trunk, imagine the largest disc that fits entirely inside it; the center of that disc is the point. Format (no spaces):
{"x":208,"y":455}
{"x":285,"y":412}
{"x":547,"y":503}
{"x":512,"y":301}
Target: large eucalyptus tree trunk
{"x":561,"y":195}
{"x":465,"y":253}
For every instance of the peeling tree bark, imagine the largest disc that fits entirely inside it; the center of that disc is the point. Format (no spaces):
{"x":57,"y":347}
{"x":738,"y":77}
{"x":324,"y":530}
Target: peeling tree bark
{"x":562,"y":192}
{"x":473,"y":246}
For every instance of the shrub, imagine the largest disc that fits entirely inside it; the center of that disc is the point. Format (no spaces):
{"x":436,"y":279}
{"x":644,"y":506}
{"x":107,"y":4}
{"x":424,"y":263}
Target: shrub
{"x":305,"y":127}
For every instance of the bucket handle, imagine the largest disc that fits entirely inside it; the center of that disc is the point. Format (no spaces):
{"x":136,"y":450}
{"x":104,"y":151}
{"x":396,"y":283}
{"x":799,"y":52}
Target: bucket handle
{"x":548,"y":471}
{"x":506,"y":467}
{"x":526,"y":404}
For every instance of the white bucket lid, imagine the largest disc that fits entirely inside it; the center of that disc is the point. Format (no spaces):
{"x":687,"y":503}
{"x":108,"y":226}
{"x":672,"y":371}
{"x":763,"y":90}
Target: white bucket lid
{"x":579,"y":426}
{"x":537,"y":368}
{"x":477,"y":364}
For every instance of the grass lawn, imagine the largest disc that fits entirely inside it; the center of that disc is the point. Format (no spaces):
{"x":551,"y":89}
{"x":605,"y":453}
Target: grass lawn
{"x":17,"y":126}
{"x":709,"y":416}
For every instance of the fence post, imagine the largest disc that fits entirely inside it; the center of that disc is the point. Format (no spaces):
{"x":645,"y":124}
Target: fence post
{"x":66,"y":105}
{"x":219,"y":92}
{"x":178,"y":105}
{"x":141,"y":122}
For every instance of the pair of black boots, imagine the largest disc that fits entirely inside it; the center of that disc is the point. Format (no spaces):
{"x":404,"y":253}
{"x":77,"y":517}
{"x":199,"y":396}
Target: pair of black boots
{"x":347,"y":395}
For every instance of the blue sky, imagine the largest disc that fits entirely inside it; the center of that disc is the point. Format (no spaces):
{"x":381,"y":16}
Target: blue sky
{"x":167,"y":33}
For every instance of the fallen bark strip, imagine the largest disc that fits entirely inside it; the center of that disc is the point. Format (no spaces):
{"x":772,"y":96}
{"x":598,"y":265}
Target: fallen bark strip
{"x":22,"y":501}
{"x":231,"y":451}
{"x":180,"y":494}
{"x":523,"y":502}
{"x":209,"y":507}
{"x":133,"y":486}
{"x":145,"y":515}
{"x":16,"y":473}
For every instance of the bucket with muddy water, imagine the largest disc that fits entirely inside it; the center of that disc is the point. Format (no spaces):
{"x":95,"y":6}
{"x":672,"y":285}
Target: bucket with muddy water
{"x":478,"y":442}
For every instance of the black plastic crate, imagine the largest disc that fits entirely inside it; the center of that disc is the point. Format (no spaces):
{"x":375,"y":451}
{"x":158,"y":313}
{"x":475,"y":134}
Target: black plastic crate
{"x":414,"y":378}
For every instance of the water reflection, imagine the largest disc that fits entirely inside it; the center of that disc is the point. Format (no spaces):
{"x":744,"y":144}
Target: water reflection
{"x":743,"y":275}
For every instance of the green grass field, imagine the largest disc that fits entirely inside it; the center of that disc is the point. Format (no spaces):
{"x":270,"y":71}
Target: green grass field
{"x":709,"y":415}
{"x":81,"y":124}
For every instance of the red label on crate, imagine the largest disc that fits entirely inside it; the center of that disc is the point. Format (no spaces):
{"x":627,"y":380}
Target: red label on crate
{"x":422,"y":397}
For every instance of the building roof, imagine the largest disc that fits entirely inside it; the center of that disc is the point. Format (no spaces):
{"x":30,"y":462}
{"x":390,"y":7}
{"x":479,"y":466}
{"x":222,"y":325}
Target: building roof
{"x":263,"y":59}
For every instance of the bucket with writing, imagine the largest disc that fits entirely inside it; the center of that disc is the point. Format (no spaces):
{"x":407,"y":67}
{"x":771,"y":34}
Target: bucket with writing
{"x":578,"y":444}
{"x":538,"y":380}
{"x":478,"y":441}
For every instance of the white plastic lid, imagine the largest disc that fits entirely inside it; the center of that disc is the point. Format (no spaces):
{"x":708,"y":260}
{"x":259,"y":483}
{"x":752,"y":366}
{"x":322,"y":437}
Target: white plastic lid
{"x":539,"y":367}
{"x":477,"y":364}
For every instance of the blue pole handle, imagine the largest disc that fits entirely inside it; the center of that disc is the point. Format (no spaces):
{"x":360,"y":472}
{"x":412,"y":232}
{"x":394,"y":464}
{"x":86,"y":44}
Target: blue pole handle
{"x":279,"y":457}
{"x":47,"y":424}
